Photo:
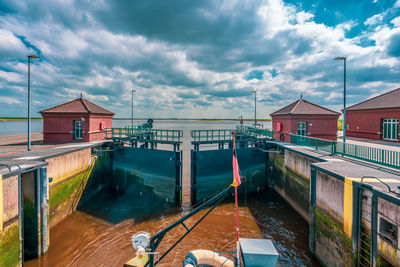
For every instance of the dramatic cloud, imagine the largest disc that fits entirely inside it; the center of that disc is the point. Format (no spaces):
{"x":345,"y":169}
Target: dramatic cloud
{"x":196,"y":58}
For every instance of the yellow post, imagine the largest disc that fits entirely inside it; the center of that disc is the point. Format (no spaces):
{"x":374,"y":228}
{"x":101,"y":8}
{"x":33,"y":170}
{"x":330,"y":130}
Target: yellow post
{"x":1,"y":203}
{"x":348,"y":206}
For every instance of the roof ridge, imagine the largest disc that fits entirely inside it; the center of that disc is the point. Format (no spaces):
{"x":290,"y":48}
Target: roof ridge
{"x":283,"y":108}
{"x":375,"y":97}
{"x":321,"y":106}
{"x":294,"y":108}
{"x":97,"y":105}
{"x":84,"y":104}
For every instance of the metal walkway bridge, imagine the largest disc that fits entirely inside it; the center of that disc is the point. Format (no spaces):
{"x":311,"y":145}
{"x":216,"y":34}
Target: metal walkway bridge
{"x":147,"y":136}
{"x":144,"y":135}
{"x":244,"y":135}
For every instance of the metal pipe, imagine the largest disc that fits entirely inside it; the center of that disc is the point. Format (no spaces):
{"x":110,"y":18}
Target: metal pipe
{"x":255,"y":108}
{"x":29,"y":100}
{"x":29,"y":103}
{"x":344,"y":102}
{"x":132,"y":110}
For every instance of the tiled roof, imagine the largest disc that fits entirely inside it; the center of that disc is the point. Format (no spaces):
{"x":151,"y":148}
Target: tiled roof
{"x":303,"y":107}
{"x":387,"y":100}
{"x":79,"y":105}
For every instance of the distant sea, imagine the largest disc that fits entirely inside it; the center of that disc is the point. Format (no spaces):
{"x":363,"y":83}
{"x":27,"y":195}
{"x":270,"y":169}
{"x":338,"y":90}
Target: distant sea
{"x":20,"y":127}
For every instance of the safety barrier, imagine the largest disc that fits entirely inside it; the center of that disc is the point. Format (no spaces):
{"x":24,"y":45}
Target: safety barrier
{"x":144,"y":134}
{"x":381,"y":156}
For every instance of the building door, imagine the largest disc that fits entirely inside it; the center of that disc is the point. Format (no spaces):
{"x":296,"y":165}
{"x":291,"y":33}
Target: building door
{"x":302,"y":128}
{"x":78,"y":129}
{"x":391,"y":129}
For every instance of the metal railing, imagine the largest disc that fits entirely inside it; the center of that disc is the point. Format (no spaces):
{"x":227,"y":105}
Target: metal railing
{"x":144,"y":134}
{"x":211,"y":135}
{"x":256,"y":132}
{"x":381,"y":156}
{"x":243,"y":133}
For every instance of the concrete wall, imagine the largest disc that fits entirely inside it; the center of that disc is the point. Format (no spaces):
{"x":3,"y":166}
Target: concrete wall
{"x":298,"y":163}
{"x":290,"y":176}
{"x":291,"y":180}
{"x":68,"y":171}
{"x":100,"y":177}
{"x":333,"y":246}
{"x":391,"y":212}
{"x":9,"y":225}
{"x":64,"y":166}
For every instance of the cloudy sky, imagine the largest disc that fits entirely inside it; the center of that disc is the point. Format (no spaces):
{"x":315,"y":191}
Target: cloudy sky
{"x":196,"y":59}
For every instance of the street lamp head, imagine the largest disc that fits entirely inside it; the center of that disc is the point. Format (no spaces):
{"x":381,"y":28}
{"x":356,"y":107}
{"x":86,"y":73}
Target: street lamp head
{"x":133,"y":91}
{"x":32,"y":56}
{"x":340,"y":58}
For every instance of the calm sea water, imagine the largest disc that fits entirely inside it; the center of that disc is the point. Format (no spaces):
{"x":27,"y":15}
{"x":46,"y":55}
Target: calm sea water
{"x":20,"y":127}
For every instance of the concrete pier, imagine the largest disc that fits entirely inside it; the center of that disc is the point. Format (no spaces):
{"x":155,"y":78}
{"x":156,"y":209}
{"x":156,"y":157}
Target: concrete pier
{"x":348,"y":214}
{"x":37,"y":190}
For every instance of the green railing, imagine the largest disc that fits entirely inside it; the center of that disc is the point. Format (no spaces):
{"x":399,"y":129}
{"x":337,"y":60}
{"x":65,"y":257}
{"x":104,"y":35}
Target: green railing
{"x":255,"y":132}
{"x":381,"y":156}
{"x":211,"y":135}
{"x":243,"y":133}
{"x":144,"y":134}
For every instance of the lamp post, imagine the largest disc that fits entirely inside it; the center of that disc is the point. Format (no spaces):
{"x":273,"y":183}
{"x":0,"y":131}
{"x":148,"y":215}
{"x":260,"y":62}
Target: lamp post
{"x":133,"y":91}
{"x":255,"y":107}
{"x":29,"y":99}
{"x":344,"y":101}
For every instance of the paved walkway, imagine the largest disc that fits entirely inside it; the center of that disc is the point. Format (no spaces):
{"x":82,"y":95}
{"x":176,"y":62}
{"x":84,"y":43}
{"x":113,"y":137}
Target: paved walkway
{"x":354,"y":170}
{"x":19,"y":143}
{"x":26,"y":159}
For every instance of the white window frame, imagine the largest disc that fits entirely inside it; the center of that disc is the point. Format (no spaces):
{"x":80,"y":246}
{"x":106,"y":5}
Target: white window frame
{"x":390,"y":129}
{"x":78,"y":128}
{"x":302,"y":129}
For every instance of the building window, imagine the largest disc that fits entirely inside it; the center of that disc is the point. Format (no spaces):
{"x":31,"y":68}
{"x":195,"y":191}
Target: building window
{"x":302,"y":128}
{"x":78,"y":129}
{"x":391,"y":129}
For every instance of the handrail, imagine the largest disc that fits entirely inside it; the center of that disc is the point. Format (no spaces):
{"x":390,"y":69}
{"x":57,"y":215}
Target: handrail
{"x":144,"y":134}
{"x":390,"y":158}
{"x":223,"y":135}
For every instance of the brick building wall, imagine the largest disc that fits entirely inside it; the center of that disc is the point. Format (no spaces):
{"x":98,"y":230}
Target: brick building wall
{"x":96,"y":133}
{"x":318,"y":126}
{"x":59,"y":128}
{"x":368,"y":123}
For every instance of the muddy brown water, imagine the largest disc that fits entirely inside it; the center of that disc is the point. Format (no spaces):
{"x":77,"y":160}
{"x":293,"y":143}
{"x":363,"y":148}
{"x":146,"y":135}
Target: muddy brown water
{"x":99,"y":233}
{"x":84,"y":240}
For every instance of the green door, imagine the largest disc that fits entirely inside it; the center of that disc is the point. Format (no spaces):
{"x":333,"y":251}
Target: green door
{"x":302,"y":128}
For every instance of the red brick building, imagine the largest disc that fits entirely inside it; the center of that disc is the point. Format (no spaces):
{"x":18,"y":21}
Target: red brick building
{"x":376,"y":118}
{"x":76,"y":121}
{"x":304,"y":118}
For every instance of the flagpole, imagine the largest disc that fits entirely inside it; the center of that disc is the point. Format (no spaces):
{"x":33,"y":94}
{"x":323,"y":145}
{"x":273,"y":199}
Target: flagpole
{"x":237,"y":228}
{"x":236,"y":183}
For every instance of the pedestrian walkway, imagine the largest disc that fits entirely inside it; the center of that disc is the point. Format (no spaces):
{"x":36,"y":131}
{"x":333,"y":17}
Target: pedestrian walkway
{"x":354,"y":169}
{"x":19,"y":143}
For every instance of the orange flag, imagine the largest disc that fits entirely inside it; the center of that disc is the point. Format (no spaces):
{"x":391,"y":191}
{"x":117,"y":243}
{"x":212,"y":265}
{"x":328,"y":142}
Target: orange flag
{"x":235,"y":165}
